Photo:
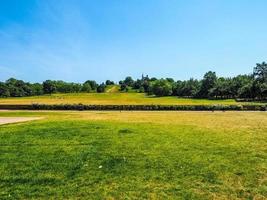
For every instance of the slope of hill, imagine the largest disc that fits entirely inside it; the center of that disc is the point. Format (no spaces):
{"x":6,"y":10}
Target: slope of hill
{"x":111,"y":97}
{"x":112,"y":88}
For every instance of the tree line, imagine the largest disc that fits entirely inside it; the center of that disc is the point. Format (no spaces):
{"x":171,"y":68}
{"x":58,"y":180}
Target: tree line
{"x":18,"y":88}
{"x":250,"y":86}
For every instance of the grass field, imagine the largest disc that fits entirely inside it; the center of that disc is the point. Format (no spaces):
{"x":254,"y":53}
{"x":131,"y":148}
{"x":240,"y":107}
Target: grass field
{"x":134,"y":155}
{"x":110,"y":98}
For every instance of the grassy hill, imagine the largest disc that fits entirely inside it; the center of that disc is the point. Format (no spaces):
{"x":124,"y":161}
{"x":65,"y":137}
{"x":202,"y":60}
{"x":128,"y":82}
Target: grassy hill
{"x":112,"y":97}
{"x":112,"y":89}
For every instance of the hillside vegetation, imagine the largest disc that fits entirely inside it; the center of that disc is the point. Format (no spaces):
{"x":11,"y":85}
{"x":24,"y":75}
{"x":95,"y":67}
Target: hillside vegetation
{"x":111,"y":98}
{"x":247,"y":87}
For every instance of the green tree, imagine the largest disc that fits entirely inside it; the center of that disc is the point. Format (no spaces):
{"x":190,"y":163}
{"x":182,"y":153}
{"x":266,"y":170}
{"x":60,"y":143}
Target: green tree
{"x":18,"y":88}
{"x":171,"y":80}
{"x":86,"y":87}
{"x":190,"y":88}
{"x":123,"y":87}
{"x":37,"y":89}
{"x":207,"y":84}
{"x":263,"y":89}
{"x":138,"y":84}
{"x":260,"y":72}
{"x":221,"y":88}
{"x":238,"y":82}
{"x":109,"y":82}
{"x":128,"y":81}
{"x":101,"y":88}
{"x":49,"y":87}
{"x":93,"y":84}
{"x":246,"y":91}
{"x":260,"y":81}
{"x":141,"y":89}
{"x":4,"y":91}
{"x":162,"y":88}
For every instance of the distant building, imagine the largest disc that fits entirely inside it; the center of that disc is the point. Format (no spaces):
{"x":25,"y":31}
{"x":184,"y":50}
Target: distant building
{"x":144,"y":77}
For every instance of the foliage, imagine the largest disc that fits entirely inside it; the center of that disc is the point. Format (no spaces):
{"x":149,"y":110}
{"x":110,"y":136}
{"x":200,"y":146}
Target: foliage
{"x":161,"y":87}
{"x":249,"y":87}
{"x":49,"y":87}
{"x":128,"y":81}
{"x":109,"y":82}
{"x":123,"y":87}
{"x":92,"y":83}
{"x":86,"y":87}
{"x":207,"y":84}
{"x":101,"y":88}
{"x":245,"y":107}
{"x":188,"y":88}
{"x":260,"y":72}
{"x":4,"y":90}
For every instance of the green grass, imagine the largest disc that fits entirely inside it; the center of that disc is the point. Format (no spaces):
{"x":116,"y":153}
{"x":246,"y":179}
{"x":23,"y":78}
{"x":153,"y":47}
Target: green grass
{"x":112,"y":97}
{"x":135,"y":155}
{"x":112,"y":89}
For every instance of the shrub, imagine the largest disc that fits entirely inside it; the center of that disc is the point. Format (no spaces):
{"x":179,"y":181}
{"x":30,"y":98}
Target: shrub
{"x":80,"y":107}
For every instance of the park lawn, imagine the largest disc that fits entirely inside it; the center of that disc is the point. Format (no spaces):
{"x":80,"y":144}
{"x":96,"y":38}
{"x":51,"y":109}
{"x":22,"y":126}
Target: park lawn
{"x":134,"y":155}
{"x":112,"y":98}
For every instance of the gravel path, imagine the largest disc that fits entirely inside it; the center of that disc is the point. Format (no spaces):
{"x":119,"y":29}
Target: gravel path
{"x":9,"y":120}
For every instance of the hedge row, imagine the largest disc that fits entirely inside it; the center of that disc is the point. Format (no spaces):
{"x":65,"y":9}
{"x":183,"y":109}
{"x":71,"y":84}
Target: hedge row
{"x":137,"y":107}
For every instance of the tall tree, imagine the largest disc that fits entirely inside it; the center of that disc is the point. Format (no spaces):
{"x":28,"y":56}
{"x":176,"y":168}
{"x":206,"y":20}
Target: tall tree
{"x":260,"y":72}
{"x":49,"y":87}
{"x":207,"y":84}
{"x":101,"y":88}
{"x":37,"y":89}
{"x":162,"y":88}
{"x":92,"y":83}
{"x":86,"y":87}
{"x":109,"y":82}
{"x":4,"y":91}
{"x":129,"y":81}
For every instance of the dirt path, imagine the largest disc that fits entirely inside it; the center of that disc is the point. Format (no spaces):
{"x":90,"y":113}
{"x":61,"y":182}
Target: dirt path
{"x":113,"y":89}
{"x":9,"y":120}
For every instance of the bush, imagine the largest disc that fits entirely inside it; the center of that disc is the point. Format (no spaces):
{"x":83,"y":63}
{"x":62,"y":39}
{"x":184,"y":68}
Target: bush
{"x":81,"y":107}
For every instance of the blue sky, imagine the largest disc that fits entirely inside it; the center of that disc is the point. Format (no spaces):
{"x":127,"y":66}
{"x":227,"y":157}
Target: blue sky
{"x":76,"y":40}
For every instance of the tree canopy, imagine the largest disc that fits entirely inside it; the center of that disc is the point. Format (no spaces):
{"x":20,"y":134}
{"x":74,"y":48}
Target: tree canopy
{"x":249,"y":86}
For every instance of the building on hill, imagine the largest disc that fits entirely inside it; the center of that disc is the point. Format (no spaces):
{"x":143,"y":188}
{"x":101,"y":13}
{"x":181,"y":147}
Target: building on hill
{"x":144,"y":77}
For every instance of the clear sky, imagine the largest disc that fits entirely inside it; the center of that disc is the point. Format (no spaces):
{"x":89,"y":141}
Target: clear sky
{"x":76,"y":40}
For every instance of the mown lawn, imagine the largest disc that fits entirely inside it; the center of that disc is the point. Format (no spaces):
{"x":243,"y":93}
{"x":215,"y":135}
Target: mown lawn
{"x":135,"y":155}
{"x":110,"y":98}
